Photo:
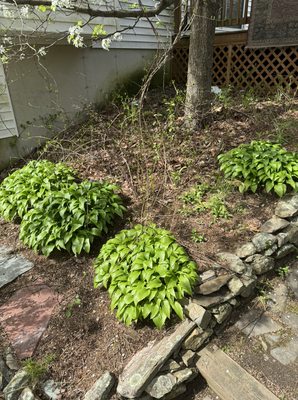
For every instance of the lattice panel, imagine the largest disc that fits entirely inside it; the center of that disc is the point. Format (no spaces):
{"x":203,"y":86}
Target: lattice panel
{"x":241,"y":67}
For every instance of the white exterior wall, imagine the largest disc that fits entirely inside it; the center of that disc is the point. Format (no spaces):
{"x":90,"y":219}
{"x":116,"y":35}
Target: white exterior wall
{"x":70,"y":78}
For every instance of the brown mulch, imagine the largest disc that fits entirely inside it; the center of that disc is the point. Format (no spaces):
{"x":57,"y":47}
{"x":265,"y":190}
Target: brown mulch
{"x":153,"y":169}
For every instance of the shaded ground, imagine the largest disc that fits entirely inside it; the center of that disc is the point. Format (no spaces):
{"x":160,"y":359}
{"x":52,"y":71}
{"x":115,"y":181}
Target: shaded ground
{"x":154,"y":165}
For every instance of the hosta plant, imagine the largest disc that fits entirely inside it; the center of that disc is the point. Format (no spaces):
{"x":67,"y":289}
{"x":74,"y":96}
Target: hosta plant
{"x":71,"y":218}
{"x":22,"y":189}
{"x":146,"y":273}
{"x":261,"y":164}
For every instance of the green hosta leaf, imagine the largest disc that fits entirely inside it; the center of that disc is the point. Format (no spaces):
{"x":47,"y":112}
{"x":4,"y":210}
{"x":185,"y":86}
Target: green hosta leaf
{"x":178,"y":309}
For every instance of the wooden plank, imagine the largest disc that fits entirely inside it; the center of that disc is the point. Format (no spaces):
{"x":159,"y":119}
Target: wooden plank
{"x":230,"y":38}
{"x":227,"y":379}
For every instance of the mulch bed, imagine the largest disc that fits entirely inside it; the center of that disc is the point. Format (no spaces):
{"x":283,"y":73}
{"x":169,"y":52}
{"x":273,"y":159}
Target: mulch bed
{"x":153,"y":168}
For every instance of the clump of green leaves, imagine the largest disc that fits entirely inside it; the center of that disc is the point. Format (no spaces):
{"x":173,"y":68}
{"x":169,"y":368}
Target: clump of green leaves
{"x":20,"y":191}
{"x":261,"y":164}
{"x":37,"y":369}
{"x":197,"y":237}
{"x":147,"y":273}
{"x":198,"y":199}
{"x":71,"y":218}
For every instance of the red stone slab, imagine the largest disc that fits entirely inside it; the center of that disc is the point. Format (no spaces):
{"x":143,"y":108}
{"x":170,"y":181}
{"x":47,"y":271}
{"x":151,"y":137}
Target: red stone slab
{"x":26,"y":315}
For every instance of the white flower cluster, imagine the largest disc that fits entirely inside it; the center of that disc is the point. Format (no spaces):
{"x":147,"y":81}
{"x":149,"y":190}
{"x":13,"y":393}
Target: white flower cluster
{"x":106,"y":43}
{"x":75,"y":37}
{"x":24,"y":11}
{"x":61,"y":4}
{"x":6,"y":12}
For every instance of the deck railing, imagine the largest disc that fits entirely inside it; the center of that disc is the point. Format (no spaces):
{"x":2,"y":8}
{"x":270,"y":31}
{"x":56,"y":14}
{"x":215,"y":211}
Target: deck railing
{"x":232,"y":13}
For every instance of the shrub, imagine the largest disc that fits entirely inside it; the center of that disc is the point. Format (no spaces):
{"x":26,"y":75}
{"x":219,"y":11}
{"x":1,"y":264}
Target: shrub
{"x":261,"y":164}
{"x":23,"y":188}
{"x":146,"y":273}
{"x":70,"y":218}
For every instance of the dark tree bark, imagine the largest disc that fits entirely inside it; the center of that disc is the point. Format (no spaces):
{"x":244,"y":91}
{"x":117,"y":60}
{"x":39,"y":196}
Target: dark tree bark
{"x":198,"y":92}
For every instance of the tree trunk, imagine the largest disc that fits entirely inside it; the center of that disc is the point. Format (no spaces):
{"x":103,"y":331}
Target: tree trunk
{"x":198,"y":92}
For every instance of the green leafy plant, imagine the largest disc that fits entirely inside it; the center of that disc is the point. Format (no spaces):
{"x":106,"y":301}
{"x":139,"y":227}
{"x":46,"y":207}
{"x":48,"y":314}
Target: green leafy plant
{"x":147,"y":273}
{"x":37,"y":369}
{"x":261,"y":164}
{"x":197,"y":237}
{"x":283,"y":271}
{"x":22,"y":189}
{"x":70,"y":218}
{"x":76,"y":302}
{"x":217,"y":207}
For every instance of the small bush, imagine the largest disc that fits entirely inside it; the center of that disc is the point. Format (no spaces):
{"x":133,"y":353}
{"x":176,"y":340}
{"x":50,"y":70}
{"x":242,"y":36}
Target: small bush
{"x":23,"y":188}
{"x":146,"y":273}
{"x":70,"y":218}
{"x":261,"y":164}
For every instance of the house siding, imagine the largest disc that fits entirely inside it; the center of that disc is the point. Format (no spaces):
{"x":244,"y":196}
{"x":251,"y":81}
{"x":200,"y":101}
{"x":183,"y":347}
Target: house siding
{"x":8,"y":125}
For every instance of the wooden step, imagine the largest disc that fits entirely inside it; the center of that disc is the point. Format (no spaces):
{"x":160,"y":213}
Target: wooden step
{"x":227,"y":379}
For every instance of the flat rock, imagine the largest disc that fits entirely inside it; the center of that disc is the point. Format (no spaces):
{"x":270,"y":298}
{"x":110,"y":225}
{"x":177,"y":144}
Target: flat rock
{"x":197,"y":313}
{"x":196,"y":339}
{"x":13,"y":390}
{"x":5,"y":372}
{"x":170,"y":366}
{"x":161,"y":385}
{"x":291,"y":320}
{"x":285,"y":250}
{"x":254,"y":324}
{"x":261,"y":264}
{"x":236,"y":286}
{"x":213,"y":284}
{"x":288,"y":353}
{"x":11,"y":360}
{"x":292,"y":234}
{"x":211,"y":300}
{"x":177,"y":391}
{"x":263,"y":241}
{"x":274,"y":224}
{"x":146,"y":363}
{"x":12,"y":266}
{"x":282,"y":238}
{"x":25,"y":317}
{"x":233,"y":262}
{"x":185,"y":375}
{"x":246,"y":250}
{"x":249,"y":286}
{"x":188,"y":358}
{"x":279,"y":298}
{"x":206,"y":275}
{"x":102,"y":388}
{"x":288,"y":207}
{"x":292,"y":281}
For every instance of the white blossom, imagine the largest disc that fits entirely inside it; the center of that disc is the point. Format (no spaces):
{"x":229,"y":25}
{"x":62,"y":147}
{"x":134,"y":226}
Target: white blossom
{"x":106,"y":43}
{"x":7,"y":39}
{"x":24,"y":11}
{"x":75,"y":37}
{"x":61,"y":4}
{"x":41,"y":51}
{"x":6,"y":12}
{"x":117,"y":36}
{"x":2,"y":49}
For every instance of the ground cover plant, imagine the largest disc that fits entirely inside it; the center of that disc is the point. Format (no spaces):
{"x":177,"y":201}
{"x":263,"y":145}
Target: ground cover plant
{"x":22,"y":189}
{"x":146,"y":273}
{"x":71,"y":218}
{"x":261,"y":164}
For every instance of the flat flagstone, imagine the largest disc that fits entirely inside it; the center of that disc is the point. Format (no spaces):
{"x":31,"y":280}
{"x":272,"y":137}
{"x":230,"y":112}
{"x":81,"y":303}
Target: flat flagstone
{"x":254,"y":324}
{"x":11,"y":266}
{"x":25,"y":316}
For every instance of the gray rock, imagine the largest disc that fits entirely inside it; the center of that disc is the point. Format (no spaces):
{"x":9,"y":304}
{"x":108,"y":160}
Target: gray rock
{"x":279,"y":298}
{"x":262,"y":241}
{"x":188,"y":358}
{"x":11,"y":360}
{"x":13,"y":390}
{"x":246,"y":250}
{"x":177,"y":391}
{"x":185,"y":375}
{"x":232,"y":261}
{"x":146,"y":363}
{"x":249,"y":286}
{"x":196,"y":339}
{"x":292,"y":234}
{"x":211,"y":300}
{"x":222,"y":312}
{"x":161,"y":385}
{"x":2,"y":383}
{"x":294,"y":220}
{"x":274,"y":224}
{"x":261,"y":264}
{"x":234,"y":302}
{"x":292,"y":281}
{"x":282,"y":238}
{"x":236,"y":286}
{"x":285,"y":250}
{"x":291,"y":320}
{"x":197,"y":313}
{"x":170,"y":366}
{"x":288,"y":207}
{"x":272,"y":339}
{"x":255,"y":323}
{"x":213,"y":284}
{"x":271,"y":250}
{"x":27,"y":394}
{"x":206,"y":275}
{"x":5,"y":372}
{"x":11,"y":267}
{"x":288,"y":353}
{"x":102,"y":388}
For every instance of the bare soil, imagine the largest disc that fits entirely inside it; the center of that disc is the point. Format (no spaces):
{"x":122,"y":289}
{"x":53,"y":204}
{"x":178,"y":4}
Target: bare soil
{"x":153,"y":164}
